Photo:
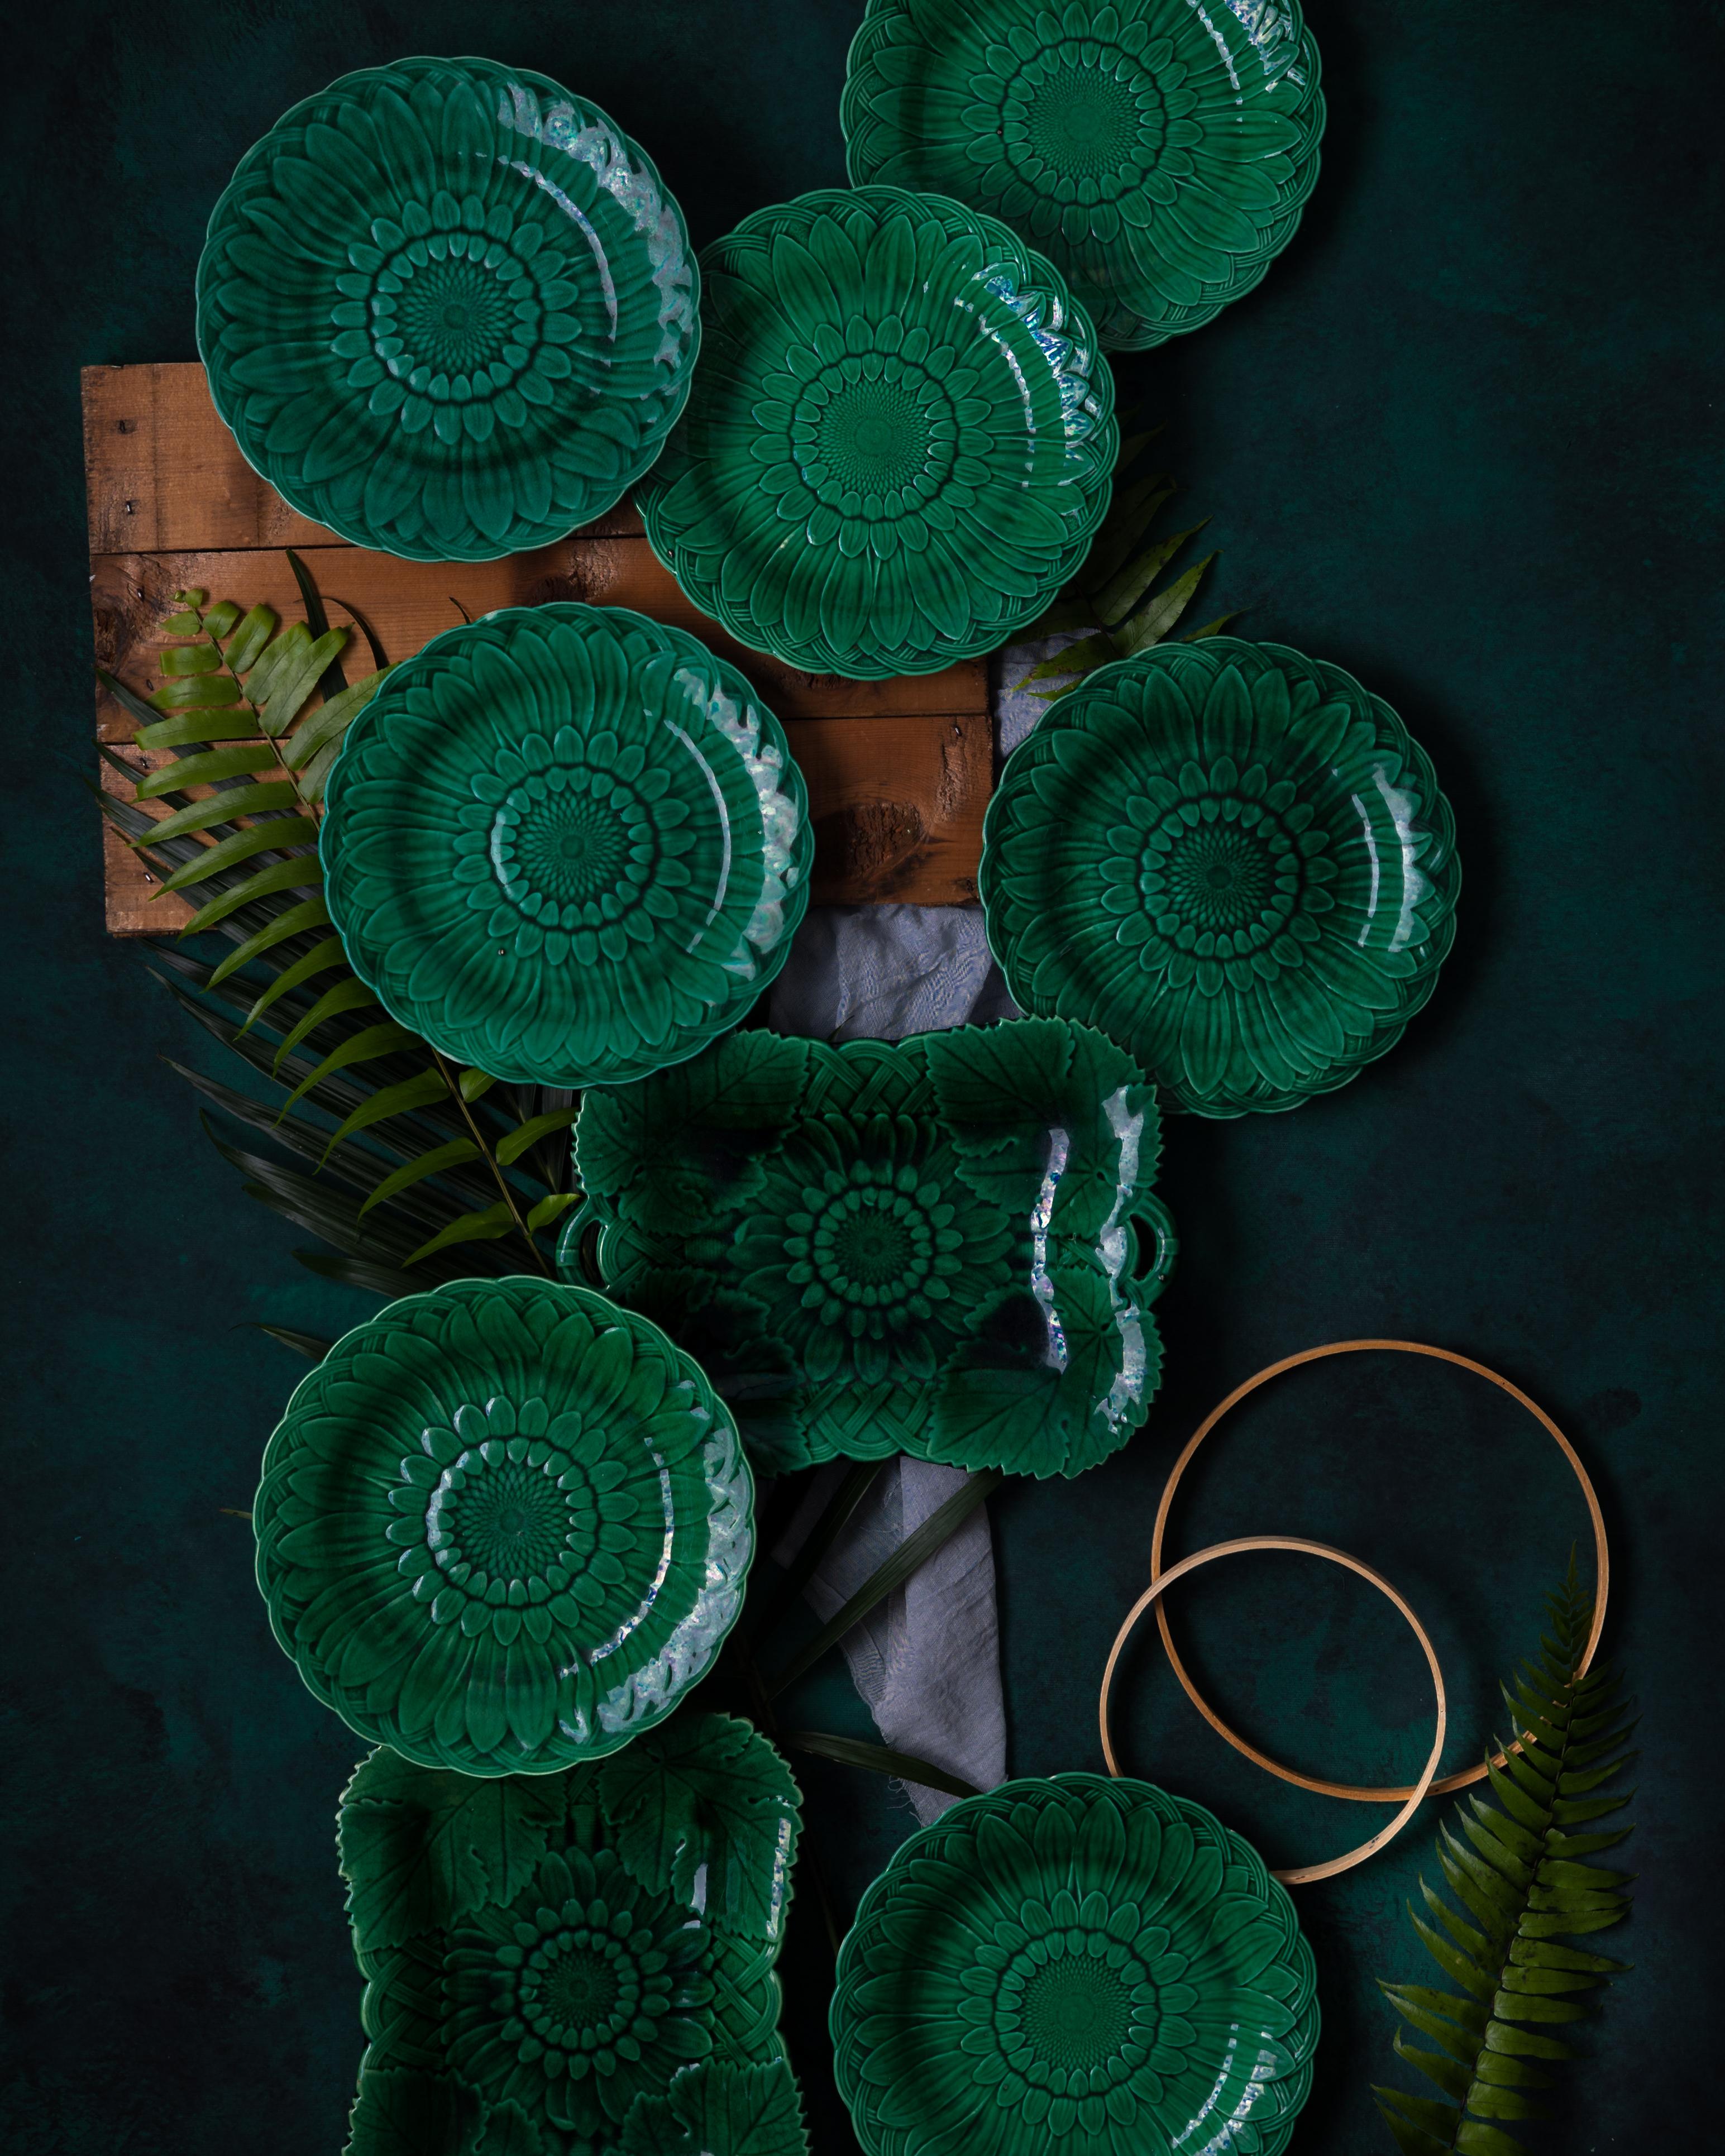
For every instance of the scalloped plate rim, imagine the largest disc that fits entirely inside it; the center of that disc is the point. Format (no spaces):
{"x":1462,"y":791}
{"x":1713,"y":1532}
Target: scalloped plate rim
{"x":797,"y":898}
{"x":483,"y":550}
{"x":1146,"y":336}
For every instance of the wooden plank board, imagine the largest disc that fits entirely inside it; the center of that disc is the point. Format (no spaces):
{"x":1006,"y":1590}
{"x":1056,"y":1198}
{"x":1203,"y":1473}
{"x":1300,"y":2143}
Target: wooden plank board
{"x":899,"y":772}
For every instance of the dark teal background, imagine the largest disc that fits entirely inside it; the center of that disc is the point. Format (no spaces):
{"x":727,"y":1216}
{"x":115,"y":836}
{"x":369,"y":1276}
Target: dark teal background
{"x":1463,"y":441}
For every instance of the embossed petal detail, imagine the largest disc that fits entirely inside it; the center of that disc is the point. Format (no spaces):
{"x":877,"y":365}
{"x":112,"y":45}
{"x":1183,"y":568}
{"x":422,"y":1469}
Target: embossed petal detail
{"x":503,"y":1526}
{"x":869,"y":1251}
{"x":1079,"y":1965}
{"x":584,"y":1993}
{"x":900,"y":443}
{"x":1234,"y":860}
{"x":567,"y":843}
{"x":448,"y":310}
{"x":1158,"y":153}
{"x":947,"y":1246}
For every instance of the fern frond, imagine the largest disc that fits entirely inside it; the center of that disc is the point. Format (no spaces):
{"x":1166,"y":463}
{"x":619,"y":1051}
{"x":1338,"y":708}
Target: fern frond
{"x":1526,"y":1879}
{"x":1113,"y":605}
{"x":414,"y":1163}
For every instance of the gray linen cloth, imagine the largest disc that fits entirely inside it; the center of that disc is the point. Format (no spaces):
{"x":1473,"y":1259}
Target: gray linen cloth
{"x":927,"y":1662}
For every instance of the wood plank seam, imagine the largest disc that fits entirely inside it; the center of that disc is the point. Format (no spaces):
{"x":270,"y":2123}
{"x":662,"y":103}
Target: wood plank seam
{"x":899,"y":772}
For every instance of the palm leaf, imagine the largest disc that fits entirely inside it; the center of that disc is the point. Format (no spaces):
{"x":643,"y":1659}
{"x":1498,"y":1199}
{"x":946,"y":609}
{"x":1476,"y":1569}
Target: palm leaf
{"x":412,"y":1162}
{"x":1524,"y":1880}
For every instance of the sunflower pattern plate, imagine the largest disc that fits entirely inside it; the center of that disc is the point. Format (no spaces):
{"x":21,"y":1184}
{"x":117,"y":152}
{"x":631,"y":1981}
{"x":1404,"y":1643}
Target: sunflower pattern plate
{"x":1231,"y":859}
{"x":448,"y":310}
{"x":1075,"y":1964}
{"x":947,"y":1246}
{"x":1158,"y":153}
{"x":503,"y":1525}
{"x":899,"y":444}
{"x":556,"y":1965}
{"x":567,"y":845}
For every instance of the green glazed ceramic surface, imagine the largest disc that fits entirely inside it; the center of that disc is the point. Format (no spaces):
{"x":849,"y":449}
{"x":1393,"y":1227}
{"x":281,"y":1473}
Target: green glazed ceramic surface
{"x":947,"y":1247}
{"x":448,"y":310}
{"x":503,"y":1525}
{"x":542,"y":1968}
{"x":1158,"y":152}
{"x":567,"y":843}
{"x":899,"y":442}
{"x":1234,"y":860}
{"x":1075,"y":1964}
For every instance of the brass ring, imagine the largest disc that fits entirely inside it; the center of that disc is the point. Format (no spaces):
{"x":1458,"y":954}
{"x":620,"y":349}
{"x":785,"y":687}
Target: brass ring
{"x":1353,"y":1793}
{"x":1301,"y":1875}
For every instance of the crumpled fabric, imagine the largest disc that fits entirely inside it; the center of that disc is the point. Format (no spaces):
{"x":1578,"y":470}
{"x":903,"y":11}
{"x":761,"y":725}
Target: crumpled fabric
{"x":927,"y":1662}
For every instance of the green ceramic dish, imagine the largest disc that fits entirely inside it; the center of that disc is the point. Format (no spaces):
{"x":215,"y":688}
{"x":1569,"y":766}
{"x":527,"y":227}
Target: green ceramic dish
{"x":1231,"y":859}
{"x":567,"y":843}
{"x":948,"y":1247}
{"x":900,"y":443}
{"x":1158,"y":153}
{"x":503,"y":1526}
{"x":549,"y":1958}
{"x":448,"y":310}
{"x":1075,"y":1964}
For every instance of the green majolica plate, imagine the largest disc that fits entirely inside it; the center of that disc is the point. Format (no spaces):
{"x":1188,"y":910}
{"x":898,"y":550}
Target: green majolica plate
{"x":1075,"y":1964}
{"x":503,"y":1525}
{"x":948,"y":1246}
{"x":1234,"y":860}
{"x":566,"y":844}
{"x":448,"y":310}
{"x":1158,"y":153}
{"x":563,"y":1961}
{"x":899,"y":442}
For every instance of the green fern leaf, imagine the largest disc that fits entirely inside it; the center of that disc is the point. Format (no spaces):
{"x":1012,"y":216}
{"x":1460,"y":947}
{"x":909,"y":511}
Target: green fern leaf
{"x":308,"y":913}
{"x":1121,"y":592}
{"x":299,"y":872}
{"x":250,"y":639}
{"x":552,"y":1208}
{"x":433,"y":1163}
{"x":360,"y":1047}
{"x":1080,"y":658}
{"x":484,"y":1227}
{"x":528,"y":1134}
{"x":322,"y":959}
{"x":331,"y":721}
{"x":270,"y":837}
{"x":280,"y":659}
{"x":1518,"y":1870}
{"x":351,"y":995}
{"x":293,"y":685}
{"x":238,"y":723}
{"x":240,"y":694}
{"x":195,"y":692}
{"x":398,"y":1100}
{"x":236,"y":801}
{"x":1420,"y":2123}
{"x":1161,"y":613}
{"x":206,"y":770}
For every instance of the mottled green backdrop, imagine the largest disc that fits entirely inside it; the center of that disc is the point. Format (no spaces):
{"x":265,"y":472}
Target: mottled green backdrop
{"x":1463,"y":440}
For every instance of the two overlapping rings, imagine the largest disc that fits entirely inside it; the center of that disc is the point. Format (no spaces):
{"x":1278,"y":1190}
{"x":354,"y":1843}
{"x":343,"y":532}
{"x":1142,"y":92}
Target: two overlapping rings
{"x":1409,"y":1797}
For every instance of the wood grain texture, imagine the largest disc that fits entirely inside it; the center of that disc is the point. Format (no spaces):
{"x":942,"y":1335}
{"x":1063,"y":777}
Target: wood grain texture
{"x":899,"y":772}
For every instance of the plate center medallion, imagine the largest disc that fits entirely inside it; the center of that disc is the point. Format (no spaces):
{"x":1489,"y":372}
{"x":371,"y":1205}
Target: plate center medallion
{"x":1068,"y":121}
{"x":1077,"y":2013}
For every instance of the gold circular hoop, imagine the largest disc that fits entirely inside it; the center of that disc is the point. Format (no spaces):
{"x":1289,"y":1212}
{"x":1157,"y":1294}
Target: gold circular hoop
{"x":1301,"y":1875}
{"x":1353,"y":1793}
